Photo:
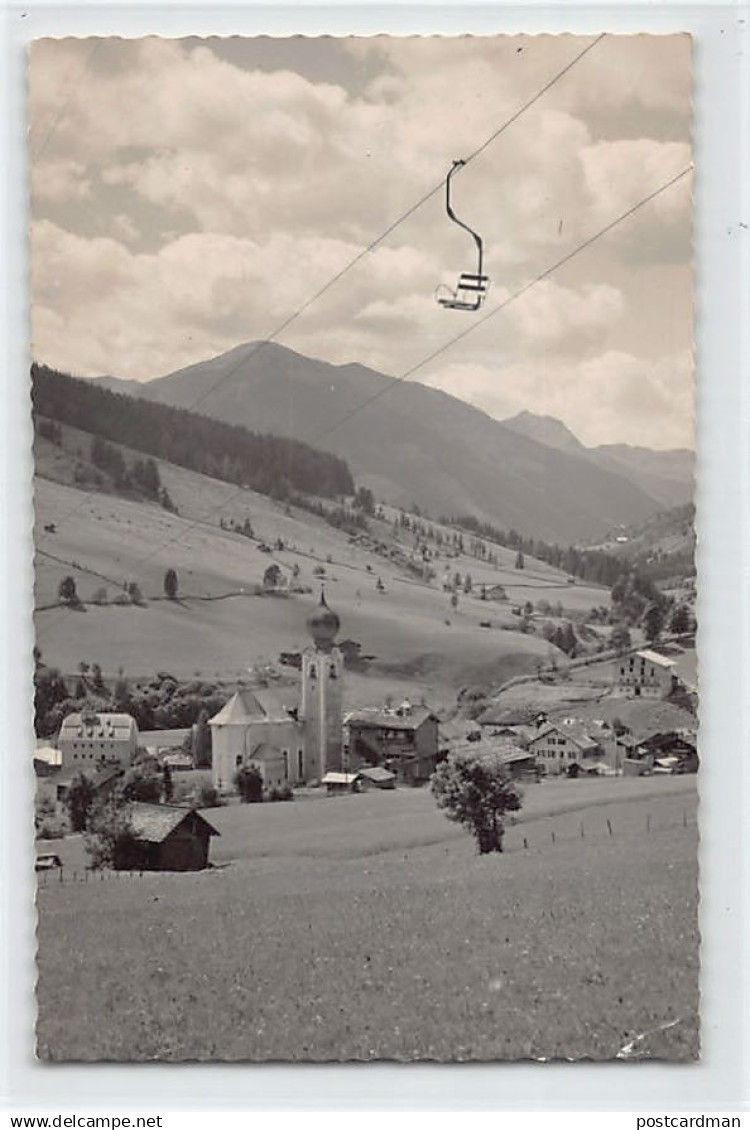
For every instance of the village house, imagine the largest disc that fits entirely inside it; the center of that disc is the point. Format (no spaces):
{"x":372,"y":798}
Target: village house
{"x":89,"y":739}
{"x":561,"y":745}
{"x":404,"y":740}
{"x":673,"y":752}
{"x":520,"y":764}
{"x":646,"y":674}
{"x":170,"y":839}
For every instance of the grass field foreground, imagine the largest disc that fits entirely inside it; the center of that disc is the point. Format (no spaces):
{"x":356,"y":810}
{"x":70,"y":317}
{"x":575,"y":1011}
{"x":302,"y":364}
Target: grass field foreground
{"x":581,"y":945}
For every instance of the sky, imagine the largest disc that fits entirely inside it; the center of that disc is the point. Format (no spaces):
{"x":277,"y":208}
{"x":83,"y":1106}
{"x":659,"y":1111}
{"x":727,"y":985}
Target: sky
{"x":190,"y":195}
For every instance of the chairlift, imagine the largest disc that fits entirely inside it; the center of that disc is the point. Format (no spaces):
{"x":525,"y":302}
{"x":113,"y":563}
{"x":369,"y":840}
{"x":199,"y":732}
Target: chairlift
{"x":472,"y":287}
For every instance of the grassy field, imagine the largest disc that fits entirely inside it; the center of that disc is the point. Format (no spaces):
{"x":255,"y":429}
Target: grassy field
{"x":371,"y":929}
{"x":420,"y":643}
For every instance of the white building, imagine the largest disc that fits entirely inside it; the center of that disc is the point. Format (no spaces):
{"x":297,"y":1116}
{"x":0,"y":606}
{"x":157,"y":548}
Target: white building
{"x":265,"y":729}
{"x":90,"y":740}
{"x":557,"y":746}
{"x":255,"y":730}
{"x":646,"y":674}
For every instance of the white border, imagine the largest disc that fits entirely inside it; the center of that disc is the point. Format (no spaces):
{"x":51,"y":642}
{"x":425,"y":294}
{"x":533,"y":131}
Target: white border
{"x":722,"y":196}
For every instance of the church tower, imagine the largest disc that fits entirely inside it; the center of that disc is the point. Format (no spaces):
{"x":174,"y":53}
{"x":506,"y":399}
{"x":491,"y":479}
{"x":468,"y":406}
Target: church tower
{"x":322,"y":708}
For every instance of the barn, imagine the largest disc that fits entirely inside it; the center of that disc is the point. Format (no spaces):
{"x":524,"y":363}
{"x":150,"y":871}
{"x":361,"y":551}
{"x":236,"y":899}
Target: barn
{"x":170,"y":839}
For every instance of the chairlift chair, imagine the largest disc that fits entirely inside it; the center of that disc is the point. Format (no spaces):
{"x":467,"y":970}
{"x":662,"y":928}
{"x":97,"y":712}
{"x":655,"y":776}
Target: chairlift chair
{"x":472,"y":286}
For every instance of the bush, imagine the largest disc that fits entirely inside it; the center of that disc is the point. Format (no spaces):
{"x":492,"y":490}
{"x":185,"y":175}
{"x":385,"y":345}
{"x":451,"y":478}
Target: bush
{"x":111,"y":841}
{"x":144,"y":787}
{"x":67,"y":592}
{"x":207,"y":796}
{"x":249,"y":785}
{"x":281,"y":792}
{"x":79,"y":802}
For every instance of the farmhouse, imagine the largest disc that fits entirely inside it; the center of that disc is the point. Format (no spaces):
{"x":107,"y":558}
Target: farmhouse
{"x":559,"y":746}
{"x":89,"y":739}
{"x":520,"y":764}
{"x":678,"y":751}
{"x":646,"y":674}
{"x":170,"y":839}
{"x":404,"y":740}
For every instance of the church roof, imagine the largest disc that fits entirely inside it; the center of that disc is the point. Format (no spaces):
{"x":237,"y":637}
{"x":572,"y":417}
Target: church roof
{"x":254,"y":706}
{"x":242,"y":707}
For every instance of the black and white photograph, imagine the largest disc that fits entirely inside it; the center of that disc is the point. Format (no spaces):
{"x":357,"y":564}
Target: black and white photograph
{"x":366,"y":692}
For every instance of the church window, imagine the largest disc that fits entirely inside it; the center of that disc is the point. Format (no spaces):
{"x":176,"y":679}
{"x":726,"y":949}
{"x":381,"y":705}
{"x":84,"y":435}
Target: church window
{"x":285,"y":755}
{"x":299,"y":763}
{"x":332,"y":671}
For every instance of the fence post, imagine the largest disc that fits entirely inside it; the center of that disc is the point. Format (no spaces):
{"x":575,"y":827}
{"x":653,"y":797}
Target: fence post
{"x":648,"y":823}
{"x":553,"y":837}
{"x":609,"y":827}
{"x":684,"y":818}
{"x":583,"y":833}
{"x":525,"y":842}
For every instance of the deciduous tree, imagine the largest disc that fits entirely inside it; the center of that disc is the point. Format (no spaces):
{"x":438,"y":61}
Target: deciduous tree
{"x":476,"y":791}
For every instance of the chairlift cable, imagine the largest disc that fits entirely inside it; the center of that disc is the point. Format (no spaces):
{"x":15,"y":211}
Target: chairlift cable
{"x":396,"y":381}
{"x":288,"y":321}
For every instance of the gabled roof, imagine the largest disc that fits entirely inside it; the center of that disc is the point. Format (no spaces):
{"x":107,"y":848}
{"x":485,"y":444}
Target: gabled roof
{"x":655,"y":657}
{"x":118,"y":727}
{"x":152,"y":823}
{"x":388,"y":720}
{"x":252,"y":706}
{"x":377,"y":773}
{"x":242,"y":707}
{"x":576,"y":731}
{"x":334,"y":778}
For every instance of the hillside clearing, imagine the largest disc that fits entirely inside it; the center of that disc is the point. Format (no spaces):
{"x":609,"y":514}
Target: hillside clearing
{"x":421,"y":645}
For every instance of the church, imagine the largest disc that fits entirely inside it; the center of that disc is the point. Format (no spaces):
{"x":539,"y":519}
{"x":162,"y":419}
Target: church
{"x":288,"y":744}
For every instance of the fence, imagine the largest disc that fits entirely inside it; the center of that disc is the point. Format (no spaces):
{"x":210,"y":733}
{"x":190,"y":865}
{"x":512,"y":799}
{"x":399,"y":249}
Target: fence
{"x":546,"y":833}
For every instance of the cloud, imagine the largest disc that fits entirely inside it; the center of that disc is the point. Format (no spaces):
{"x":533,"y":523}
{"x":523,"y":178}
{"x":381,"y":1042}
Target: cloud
{"x":225,"y":196}
{"x":614,"y":397}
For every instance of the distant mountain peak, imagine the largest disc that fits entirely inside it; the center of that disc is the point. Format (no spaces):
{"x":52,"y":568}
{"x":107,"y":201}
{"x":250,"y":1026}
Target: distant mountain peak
{"x":547,"y":430}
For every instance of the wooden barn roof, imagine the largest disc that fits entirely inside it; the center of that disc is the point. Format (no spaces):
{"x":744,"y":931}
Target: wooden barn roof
{"x":152,"y":823}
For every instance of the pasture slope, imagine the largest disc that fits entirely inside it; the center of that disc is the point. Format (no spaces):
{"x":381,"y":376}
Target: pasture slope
{"x":370,"y":929}
{"x":217,"y":629}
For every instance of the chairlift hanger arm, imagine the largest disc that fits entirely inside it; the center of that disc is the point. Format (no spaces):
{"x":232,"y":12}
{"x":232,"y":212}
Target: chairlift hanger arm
{"x":449,"y":209}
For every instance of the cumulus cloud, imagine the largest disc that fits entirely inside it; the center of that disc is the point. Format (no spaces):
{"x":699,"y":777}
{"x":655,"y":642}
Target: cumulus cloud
{"x":225,"y":196}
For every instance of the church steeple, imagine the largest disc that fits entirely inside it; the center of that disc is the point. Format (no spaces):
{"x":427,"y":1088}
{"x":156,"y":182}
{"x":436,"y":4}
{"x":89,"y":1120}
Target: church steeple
{"x":322,"y":700}
{"x":323,"y":625}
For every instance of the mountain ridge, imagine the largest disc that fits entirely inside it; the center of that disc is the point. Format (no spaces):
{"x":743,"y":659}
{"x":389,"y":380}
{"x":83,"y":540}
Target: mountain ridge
{"x":415,"y":445}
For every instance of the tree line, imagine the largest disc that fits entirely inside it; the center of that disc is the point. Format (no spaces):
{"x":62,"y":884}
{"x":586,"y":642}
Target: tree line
{"x":271,"y":465}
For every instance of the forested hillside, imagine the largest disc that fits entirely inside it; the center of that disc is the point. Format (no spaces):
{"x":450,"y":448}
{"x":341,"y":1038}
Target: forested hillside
{"x":269,"y":464}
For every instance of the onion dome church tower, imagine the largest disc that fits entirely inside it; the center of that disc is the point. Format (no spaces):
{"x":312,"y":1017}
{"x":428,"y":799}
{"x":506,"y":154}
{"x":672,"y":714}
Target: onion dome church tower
{"x":321,"y":708}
